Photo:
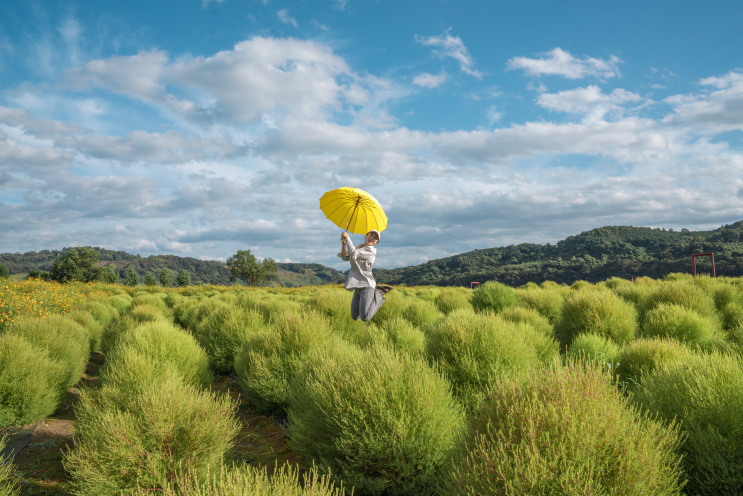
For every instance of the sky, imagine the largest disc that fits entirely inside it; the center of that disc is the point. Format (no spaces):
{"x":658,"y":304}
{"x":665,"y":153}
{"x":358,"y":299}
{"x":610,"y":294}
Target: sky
{"x":202,"y":127}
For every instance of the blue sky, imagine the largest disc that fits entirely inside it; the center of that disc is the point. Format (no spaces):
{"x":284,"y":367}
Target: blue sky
{"x":202,"y":127}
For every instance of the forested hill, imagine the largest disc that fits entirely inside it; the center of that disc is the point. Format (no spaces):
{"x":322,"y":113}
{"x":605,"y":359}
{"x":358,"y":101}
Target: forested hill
{"x":594,"y":255}
{"x":208,"y":272}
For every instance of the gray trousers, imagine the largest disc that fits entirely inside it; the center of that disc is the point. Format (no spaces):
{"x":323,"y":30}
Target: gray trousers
{"x":365,"y":303}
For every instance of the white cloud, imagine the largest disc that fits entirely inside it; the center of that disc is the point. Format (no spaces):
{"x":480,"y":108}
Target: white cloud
{"x":340,"y":4}
{"x":284,"y":17}
{"x":205,"y":3}
{"x":427,"y":80}
{"x":656,"y":86}
{"x":452,"y":46}
{"x":319,"y":25}
{"x":590,"y":101}
{"x":717,"y":111}
{"x":562,"y":63}
{"x":493,"y":115}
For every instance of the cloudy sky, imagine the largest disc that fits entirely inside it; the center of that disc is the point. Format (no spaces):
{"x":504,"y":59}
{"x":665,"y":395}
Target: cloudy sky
{"x":200,"y":127}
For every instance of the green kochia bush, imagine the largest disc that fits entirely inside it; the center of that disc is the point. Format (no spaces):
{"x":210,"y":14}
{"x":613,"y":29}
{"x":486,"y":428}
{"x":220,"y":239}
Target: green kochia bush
{"x":596,"y":312}
{"x":704,"y":393}
{"x":90,"y":324}
{"x":679,"y":292}
{"x":548,"y":302}
{"x":643,"y":356}
{"x":394,"y":305}
{"x":102,"y":311}
{"x":529,"y":316}
{"x":120,"y":302}
{"x":564,"y":431}
{"x":450,"y":299}
{"x":32,"y":384}
{"x":162,"y":342}
{"x":336,"y":305}
{"x":267,"y":361}
{"x":420,"y":313}
{"x":680,"y":323}
{"x":63,"y":339}
{"x":380,"y":421}
{"x":473,"y":349}
{"x":167,"y":429}
{"x":253,"y":481}
{"x":146,"y":313}
{"x":223,"y":333}
{"x":494,"y":296}
{"x":151,"y":299}
{"x":8,"y":479}
{"x":594,"y":348}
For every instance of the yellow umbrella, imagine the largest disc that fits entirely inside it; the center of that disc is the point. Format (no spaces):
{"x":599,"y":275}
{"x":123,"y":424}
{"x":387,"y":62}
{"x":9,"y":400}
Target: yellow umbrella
{"x":353,"y":210}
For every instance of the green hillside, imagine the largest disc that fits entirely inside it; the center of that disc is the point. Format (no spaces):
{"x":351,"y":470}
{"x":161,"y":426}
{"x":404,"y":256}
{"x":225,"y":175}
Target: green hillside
{"x":595,"y":255}
{"x":204,"y":271}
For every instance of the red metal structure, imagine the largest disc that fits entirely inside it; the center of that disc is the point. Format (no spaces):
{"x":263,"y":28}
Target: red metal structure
{"x":473,"y":283}
{"x":694,"y":262}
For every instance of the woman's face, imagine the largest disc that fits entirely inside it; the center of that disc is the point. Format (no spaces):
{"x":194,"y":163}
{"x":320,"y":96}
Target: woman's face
{"x":371,"y":239}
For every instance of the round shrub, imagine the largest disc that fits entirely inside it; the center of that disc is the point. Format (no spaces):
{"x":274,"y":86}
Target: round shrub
{"x":380,"y":421}
{"x":564,"y":431}
{"x":549,"y":285}
{"x":593,"y":347}
{"x":633,"y":293}
{"x":162,"y":342}
{"x":120,"y":303}
{"x":223,"y":333}
{"x":704,"y":394}
{"x":273,"y":307}
{"x":113,"y":331}
{"x":530,"y":285}
{"x":168,"y":428}
{"x":679,"y":323}
{"x":267,"y":361}
{"x":173,"y":299}
{"x":31,"y":384}
{"x":643,"y":356}
{"x":473,"y":349}
{"x":90,"y":324}
{"x":404,"y":337}
{"x":421,"y":313}
{"x":102,"y":311}
{"x":578,"y":285}
{"x":680,"y":293}
{"x":63,"y":340}
{"x":239,"y":480}
{"x":494,"y":296}
{"x":181,"y":311}
{"x":529,"y":316}
{"x":596,"y":312}
{"x":394,"y":305}
{"x":336,"y":305}
{"x":615,"y":282}
{"x":450,"y":299}
{"x":201,"y":311}
{"x":732,"y":316}
{"x":428,"y":293}
{"x":545,"y":301}
{"x":151,"y":299}
{"x":726,"y":294}
{"x":145,"y":313}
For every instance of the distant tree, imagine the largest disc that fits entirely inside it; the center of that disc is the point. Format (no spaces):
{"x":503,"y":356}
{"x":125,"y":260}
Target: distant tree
{"x":132,"y":279}
{"x":110,"y":275}
{"x":245,"y":266}
{"x":4,"y":272}
{"x":166,"y":278}
{"x":149,"y":280}
{"x":184,"y":278}
{"x":37,"y":274}
{"x":78,"y":264}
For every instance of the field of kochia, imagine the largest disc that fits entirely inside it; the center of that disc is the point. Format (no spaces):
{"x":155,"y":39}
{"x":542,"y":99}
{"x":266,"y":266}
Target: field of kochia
{"x":616,"y":388}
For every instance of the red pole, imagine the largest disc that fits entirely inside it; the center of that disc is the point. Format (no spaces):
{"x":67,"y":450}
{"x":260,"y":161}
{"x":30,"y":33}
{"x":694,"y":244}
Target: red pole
{"x":694,"y":265}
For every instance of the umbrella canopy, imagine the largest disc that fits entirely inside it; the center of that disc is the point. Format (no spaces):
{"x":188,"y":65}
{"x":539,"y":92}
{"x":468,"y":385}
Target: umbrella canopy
{"x":353,"y":210}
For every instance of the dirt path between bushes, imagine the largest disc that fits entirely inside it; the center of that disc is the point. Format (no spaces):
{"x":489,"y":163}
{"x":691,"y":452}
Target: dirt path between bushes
{"x":38,"y":448}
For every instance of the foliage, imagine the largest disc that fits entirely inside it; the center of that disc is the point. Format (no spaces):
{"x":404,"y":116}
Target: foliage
{"x":643,"y":356}
{"x":450,"y":299}
{"x":169,"y":429}
{"x":88,"y":322}
{"x":548,"y":302}
{"x":596,"y":312}
{"x":473,"y":349}
{"x":4,"y":274}
{"x":494,"y":296}
{"x":132,"y":279}
{"x":683,"y":293}
{"x":79,"y":264}
{"x":242,"y":480}
{"x":680,"y":323}
{"x":704,"y":393}
{"x":594,"y":348}
{"x":166,"y":278}
{"x":109,"y":275}
{"x":564,"y":431}
{"x":8,"y":478}
{"x":223,"y":333}
{"x":29,"y":382}
{"x":183,"y":279}
{"x":149,"y":280}
{"x":380,"y":421}
{"x":245,"y":266}
{"x":529,"y":316}
{"x":421,"y":313}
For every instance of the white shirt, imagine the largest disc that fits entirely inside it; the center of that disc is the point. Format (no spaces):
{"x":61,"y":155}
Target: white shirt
{"x":362,"y":261}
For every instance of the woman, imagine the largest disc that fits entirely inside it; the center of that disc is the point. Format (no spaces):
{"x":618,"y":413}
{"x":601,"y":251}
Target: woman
{"x":367,"y":297}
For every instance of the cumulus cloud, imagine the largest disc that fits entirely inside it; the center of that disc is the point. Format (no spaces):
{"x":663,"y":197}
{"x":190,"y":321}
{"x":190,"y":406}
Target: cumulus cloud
{"x":590,"y":101}
{"x":558,"y":62}
{"x":452,"y":46}
{"x":717,"y":111}
{"x":427,"y":80}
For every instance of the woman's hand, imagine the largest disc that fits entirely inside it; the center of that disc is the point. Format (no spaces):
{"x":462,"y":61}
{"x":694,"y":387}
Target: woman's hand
{"x":344,"y":236}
